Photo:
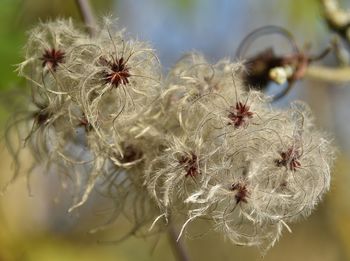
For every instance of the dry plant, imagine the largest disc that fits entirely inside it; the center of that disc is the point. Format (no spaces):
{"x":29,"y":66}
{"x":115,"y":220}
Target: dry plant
{"x":198,"y":143}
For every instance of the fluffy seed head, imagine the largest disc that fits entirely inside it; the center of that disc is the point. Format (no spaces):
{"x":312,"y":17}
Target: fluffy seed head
{"x":197,"y":144}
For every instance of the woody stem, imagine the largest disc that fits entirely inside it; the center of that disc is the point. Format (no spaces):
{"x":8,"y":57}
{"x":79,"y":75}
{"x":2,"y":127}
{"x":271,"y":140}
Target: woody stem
{"x":176,"y":245}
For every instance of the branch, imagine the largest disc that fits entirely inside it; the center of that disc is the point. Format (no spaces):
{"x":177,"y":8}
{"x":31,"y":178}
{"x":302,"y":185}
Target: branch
{"x":177,"y":246}
{"x":338,"y":75}
{"x":87,"y":15}
{"x":337,"y":19}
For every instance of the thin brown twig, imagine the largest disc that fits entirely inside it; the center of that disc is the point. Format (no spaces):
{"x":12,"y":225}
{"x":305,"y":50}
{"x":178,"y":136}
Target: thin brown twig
{"x":87,"y":15}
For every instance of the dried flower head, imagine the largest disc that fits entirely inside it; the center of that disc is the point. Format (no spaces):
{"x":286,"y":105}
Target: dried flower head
{"x":118,"y":72}
{"x":190,"y":164}
{"x":241,"y":190}
{"x":240,"y":114}
{"x":51,"y":58}
{"x":289,"y":159}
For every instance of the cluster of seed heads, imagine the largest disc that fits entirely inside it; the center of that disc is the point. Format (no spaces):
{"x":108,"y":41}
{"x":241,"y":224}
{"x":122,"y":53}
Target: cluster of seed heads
{"x":196,"y":144}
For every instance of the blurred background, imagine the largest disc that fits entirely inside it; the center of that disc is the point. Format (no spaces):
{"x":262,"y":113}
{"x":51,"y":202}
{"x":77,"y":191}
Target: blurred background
{"x":37,"y":226}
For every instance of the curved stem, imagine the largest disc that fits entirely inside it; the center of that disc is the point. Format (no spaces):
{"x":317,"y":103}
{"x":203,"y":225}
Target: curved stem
{"x":177,"y":246}
{"x":87,"y":15}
